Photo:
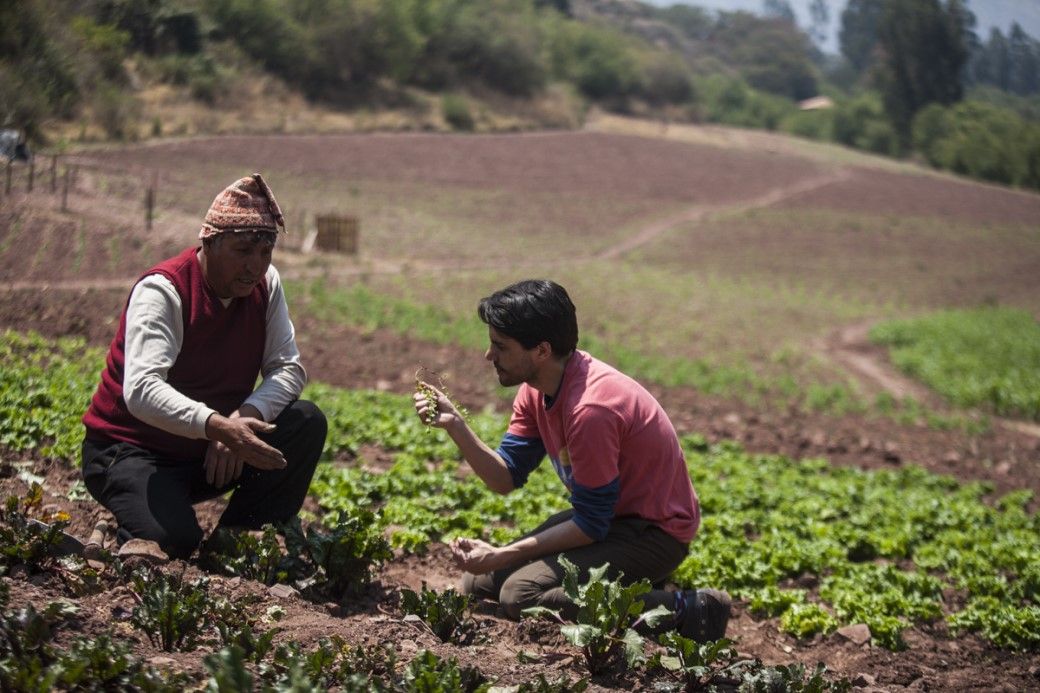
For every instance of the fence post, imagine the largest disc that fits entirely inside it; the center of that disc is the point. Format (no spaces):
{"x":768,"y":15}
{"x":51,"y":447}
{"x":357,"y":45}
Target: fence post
{"x":65,"y":192}
{"x":54,"y":174}
{"x":149,"y":205}
{"x":7,"y":185}
{"x":32,"y":173}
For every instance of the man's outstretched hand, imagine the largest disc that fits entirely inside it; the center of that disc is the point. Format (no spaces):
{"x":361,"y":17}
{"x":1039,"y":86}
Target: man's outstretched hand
{"x":434,"y":408}
{"x":477,"y":556}
{"x":234,"y":442}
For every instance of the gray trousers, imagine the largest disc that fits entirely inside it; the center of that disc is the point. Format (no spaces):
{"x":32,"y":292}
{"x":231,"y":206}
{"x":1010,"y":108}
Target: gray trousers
{"x":633,"y":547}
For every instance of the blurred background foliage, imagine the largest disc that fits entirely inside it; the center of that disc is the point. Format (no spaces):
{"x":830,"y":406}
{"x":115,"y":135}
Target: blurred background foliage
{"x":913,"y":77}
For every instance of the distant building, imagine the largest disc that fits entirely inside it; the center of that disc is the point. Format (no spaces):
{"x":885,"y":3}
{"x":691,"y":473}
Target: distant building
{"x":816,"y":103}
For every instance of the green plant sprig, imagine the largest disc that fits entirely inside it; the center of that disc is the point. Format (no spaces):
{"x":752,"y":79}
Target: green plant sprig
{"x":423,"y":376}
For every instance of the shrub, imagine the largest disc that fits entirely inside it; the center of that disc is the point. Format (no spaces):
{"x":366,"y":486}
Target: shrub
{"x":665,"y":79}
{"x":596,"y":59}
{"x":732,"y":102}
{"x":861,"y":123}
{"x":116,"y":111}
{"x":977,"y":139}
{"x":455,"y":110}
{"x":815,"y":125}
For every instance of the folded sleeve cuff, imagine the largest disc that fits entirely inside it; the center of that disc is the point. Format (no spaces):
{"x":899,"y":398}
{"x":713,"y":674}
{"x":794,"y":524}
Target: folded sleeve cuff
{"x":594,"y":508}
{"x":522,"y":456}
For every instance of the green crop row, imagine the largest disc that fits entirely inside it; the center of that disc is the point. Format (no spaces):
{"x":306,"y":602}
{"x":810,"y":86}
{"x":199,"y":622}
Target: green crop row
{"x":983,"y":357}
{"x":884,"y":547}
{"x":816,"y":545}
{"x":45,"y":386}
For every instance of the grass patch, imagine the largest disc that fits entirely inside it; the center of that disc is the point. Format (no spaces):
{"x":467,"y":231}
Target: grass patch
{"x":785,"y":380}
{"x":985,"y":357}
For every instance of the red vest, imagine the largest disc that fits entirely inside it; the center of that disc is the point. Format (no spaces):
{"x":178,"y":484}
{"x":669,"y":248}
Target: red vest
{"x":218,"y":363}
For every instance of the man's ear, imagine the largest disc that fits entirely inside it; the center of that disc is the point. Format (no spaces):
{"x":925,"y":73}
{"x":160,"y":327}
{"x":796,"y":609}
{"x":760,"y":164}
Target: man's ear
{"x":543,"y":351}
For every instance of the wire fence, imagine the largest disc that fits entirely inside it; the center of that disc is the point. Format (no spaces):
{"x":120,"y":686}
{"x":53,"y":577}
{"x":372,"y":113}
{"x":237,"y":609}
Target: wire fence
{"x":77,"y":176}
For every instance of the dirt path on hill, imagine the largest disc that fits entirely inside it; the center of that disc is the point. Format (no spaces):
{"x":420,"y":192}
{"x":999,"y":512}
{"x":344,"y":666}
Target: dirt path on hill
{"x":700,"y":212}
{"x":850,"y":348}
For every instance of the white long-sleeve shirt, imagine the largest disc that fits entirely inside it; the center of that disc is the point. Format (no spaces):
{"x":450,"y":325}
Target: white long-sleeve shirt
{"x":154,"y":335}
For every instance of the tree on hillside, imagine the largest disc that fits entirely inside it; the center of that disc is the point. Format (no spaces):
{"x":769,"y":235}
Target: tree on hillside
{"x":778,"y":9}
{"x":991,"y":63}
{"x":924,"y":50}
{"x":858,"y":34}
{"x":1024,"y":62}
{"x":37,"y":77}
{"x":819,"y":18}
{"x":771,"y":54}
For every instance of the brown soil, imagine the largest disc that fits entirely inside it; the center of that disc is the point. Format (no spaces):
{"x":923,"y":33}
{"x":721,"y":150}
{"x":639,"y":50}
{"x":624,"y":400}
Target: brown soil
{"x":85,"y":300}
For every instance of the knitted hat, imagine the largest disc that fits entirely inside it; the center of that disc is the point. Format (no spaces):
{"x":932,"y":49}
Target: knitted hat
{"x":246,"y":205}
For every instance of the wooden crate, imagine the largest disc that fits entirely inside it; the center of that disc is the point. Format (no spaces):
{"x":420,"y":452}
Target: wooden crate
{"x":337,"y":234}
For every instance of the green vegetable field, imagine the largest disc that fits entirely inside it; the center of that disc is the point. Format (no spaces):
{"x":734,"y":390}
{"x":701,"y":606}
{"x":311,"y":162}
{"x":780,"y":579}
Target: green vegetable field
{"x":815,"y":546}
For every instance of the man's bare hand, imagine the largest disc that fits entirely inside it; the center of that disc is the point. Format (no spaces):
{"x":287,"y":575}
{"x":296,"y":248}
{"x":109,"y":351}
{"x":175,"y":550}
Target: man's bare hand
{"x":434,"y":409}
{"x":222,"y":467}
{"x":239,"y":435}
{"x":476,"y":556}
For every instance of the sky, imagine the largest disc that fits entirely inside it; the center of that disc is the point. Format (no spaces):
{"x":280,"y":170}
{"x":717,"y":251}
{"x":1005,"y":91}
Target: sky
{"x":989,"y":13}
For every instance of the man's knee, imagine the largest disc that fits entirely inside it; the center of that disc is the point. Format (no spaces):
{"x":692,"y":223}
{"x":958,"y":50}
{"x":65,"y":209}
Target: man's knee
{"x":307,"y":418}
{"x":517,"y":595}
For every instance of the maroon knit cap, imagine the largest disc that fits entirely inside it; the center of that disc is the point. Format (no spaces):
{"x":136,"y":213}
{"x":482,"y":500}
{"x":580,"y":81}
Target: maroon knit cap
{"x":246,"y":205}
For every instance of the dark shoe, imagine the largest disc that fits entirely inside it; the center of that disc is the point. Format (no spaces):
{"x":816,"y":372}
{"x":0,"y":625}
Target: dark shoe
{"x":707,"y":613}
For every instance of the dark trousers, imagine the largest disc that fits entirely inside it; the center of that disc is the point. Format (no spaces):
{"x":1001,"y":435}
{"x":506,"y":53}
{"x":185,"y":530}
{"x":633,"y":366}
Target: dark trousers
{"x":152,"y":496}
{"x":635,"y":547}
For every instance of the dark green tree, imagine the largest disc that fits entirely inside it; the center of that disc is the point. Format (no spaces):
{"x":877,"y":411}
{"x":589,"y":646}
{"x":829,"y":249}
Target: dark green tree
{"x":991,"y":64}
{"x":771,"y":54}
{"x":778,"y":9}
{"x":924,"y":51}
{"x":819,"y":18}
{"x":1024,"y":62}
{"x":858,"y":35}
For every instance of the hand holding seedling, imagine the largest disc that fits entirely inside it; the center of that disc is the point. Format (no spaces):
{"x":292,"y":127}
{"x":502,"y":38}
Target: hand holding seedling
{"x":433,"y":406}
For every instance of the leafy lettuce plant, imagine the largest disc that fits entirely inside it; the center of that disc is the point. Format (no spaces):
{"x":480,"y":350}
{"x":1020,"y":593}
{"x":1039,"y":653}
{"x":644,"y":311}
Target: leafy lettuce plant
{"x":428,"y":673}
{"x":245,"y":554}
{"x":608,"y":612}
{"x":697,"y":665}
{"x":171,"y":611}
{"x":25,"y":540}
{"x":444,"y":612}
{"x":338,"y":562}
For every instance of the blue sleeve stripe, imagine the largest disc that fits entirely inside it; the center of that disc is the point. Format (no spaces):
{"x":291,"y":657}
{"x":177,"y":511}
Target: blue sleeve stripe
{"x":594,"y":507}
{"x":521,"y":455}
